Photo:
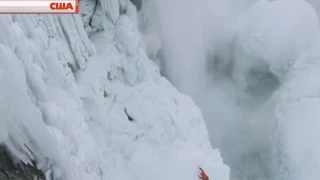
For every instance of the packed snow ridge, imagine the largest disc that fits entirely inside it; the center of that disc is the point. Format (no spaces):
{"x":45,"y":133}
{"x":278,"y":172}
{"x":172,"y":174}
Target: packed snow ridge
{"x":81,"y":100}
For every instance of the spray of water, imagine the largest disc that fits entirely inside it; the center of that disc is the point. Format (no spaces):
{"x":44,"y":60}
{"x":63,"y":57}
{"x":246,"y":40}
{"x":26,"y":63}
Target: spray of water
{"x":182,"y":31}
{"x":196,"y":39}
{"x":198,"y":45}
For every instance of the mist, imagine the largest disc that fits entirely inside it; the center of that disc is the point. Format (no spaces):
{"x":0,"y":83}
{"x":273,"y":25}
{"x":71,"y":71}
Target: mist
{"x":197,"y":41}
{"x":183,"y":36}
{"x":202,"y":59}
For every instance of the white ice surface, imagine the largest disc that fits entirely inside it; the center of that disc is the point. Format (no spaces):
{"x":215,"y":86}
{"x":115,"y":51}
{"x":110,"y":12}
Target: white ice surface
{"x":271,"y":35}
{"x":95,"y":108}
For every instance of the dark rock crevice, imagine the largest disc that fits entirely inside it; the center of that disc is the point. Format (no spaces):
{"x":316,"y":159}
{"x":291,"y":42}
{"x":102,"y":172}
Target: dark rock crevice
{"x":137,"y":3}
{"x":10,"y":171}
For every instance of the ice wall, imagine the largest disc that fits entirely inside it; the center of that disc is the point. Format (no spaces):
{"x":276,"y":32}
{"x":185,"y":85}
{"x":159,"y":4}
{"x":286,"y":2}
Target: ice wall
{"x":96,"y":108}
{"x":275,"y":42}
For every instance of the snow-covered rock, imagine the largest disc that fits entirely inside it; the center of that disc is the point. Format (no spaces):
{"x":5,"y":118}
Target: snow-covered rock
{"x":274,"y":37}
{"x":270,"y":37}
{"x":294,"y":110}
{"x":95,"y":108}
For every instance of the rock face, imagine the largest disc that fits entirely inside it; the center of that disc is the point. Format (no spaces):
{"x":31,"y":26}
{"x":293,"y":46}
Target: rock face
{"x":9,"y":171}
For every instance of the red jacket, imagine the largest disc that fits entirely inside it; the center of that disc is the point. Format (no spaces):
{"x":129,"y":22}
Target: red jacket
{"x":203,"y":175}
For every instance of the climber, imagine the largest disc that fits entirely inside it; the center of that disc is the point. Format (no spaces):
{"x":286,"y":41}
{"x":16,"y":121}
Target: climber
{"x":203,"y":175}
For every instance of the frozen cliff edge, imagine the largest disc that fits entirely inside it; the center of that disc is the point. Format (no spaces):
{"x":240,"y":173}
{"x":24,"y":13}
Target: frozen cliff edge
{"x":95,"y":108}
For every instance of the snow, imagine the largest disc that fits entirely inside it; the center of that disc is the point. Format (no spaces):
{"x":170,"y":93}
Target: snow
{"x":272,"y":34}
{"x":96,"y":108}
{"x":168,"y":112}
{"x":296,"y":116}
{"x":173,"y":169}
{"x":275,"y":37}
